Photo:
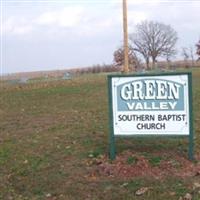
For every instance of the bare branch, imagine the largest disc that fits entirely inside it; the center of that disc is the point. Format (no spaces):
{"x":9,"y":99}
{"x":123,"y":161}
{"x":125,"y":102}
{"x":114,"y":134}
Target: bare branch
{"x":153,"y":40}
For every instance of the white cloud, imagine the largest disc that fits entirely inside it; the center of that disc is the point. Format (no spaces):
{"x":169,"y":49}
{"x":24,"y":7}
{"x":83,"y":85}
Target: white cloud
{"x":143,"y":2}
{"x":137,"y":16}
{"x":79,"y":20}
{"x":8,"y":25}
{"x":16,"y":25}
{"x":66,"y":17}
{"x":23,"y":30}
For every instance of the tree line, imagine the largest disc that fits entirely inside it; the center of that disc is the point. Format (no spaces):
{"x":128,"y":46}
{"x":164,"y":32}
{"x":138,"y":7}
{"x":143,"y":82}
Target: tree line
{"x":150,"y":41}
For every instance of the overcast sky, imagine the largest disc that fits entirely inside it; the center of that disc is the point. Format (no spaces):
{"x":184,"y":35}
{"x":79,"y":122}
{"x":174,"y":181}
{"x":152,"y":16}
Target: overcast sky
{"x":45,"y":35}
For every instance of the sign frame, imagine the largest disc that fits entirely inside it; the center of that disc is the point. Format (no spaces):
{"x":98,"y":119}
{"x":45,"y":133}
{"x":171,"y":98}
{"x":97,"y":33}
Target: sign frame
{"x":112,"y":136}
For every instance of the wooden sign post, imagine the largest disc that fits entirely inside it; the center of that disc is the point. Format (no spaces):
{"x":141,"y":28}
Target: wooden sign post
{"x":126,"y":49}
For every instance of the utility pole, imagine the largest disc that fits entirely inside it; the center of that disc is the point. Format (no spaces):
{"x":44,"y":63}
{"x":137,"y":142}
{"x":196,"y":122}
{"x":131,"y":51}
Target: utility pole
{"x":125,"y":24}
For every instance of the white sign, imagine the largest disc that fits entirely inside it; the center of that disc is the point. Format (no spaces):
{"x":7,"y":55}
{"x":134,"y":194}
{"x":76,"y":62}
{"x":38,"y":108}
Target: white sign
{"x":150,"y":105}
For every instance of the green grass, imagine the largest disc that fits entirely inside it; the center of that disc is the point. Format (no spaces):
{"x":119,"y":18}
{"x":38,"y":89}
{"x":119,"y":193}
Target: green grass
{"x":49,"y":131}
{"x":154,"y":161}
{"x":132,"y":160}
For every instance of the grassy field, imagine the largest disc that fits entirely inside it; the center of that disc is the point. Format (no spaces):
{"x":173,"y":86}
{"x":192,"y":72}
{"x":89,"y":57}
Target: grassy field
{"x":54,"y":145}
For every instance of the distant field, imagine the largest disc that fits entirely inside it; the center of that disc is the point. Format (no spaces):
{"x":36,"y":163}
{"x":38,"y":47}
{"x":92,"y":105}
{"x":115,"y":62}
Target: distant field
{"x":54,"y":145}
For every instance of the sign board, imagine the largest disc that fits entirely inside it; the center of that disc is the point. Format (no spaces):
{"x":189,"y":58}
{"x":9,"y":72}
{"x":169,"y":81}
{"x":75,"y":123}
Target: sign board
{"x":150,"y":104}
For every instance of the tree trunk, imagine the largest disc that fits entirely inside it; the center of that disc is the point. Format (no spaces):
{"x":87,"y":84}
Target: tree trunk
{"x":153,"y":62}
{"x":147,"y":63}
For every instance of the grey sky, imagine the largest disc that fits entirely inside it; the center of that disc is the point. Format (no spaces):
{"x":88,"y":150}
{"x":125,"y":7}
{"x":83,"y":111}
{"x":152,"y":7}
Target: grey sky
{"x":46,"y":35}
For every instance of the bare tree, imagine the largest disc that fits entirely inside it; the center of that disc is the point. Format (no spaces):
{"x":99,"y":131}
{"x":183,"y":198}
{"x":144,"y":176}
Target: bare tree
{"x":186,"y":56}
{"x":141,"y":48}
{"x":192,"y":55}
{"x":153,"y":40}
{"x":132,"y":58}
{"x":198,"y":49}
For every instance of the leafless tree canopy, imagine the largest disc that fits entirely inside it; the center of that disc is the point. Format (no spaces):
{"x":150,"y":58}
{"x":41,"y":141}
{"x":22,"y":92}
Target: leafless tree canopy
{"x":153,"y":40}
{"x":185,"y":53}
{"x":198,"y":49}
